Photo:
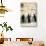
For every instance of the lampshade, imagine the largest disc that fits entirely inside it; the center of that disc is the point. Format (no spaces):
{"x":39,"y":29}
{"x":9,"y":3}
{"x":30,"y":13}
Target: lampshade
{"x":2,"y":9}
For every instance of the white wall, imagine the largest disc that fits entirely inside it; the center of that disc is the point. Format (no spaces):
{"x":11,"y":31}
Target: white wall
{"x":13,"y":18}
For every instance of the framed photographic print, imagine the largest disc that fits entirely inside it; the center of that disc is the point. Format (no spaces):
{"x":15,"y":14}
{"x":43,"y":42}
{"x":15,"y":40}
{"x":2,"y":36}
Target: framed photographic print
{"x":28,"y":14}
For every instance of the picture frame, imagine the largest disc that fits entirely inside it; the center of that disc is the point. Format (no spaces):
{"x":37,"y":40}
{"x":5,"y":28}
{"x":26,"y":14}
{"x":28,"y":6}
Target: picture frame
{"x":28,"y":14}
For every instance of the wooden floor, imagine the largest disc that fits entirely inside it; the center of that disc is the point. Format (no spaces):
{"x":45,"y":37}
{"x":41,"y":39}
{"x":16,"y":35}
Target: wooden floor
{"x":14,"y":44}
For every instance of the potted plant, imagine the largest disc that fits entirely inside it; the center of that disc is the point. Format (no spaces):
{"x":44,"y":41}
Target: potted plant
{"x":4,"y":25}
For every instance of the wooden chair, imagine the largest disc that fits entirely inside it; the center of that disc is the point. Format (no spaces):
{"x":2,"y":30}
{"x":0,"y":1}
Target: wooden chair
{"x":24,"y":39}
{"x":29,"y":40}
